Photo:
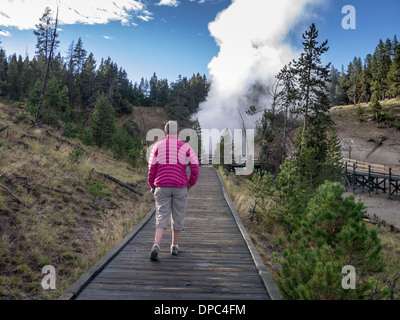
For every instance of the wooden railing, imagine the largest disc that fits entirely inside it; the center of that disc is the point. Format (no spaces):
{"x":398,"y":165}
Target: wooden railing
{"x":240,"y":160}
{"x":352,"y":164}
{"x":372,"y":177}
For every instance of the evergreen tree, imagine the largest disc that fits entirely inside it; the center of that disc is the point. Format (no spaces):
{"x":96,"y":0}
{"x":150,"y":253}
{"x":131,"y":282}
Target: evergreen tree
{"x":88,"y":88}
{"x":14,"y":73}
{"x":46,"y":37}
{"x":197,"y":127}
{"x":380,"y":66}
{"x":177,"y":108}
{"x":354,"y":72}
{"x":311,"y":81}
{"x":376,"y":107}
{"x":197,"y":91}
{"x":333,"y":84}
{"x":3,"y":72}
{"x":395,"y":45}
{"x":3,"y":65}
{"x":366,"y":79}
{"x":154,"y":90}
{"x":102,"y":123}
{"x":70,"y":71}
{"x":330,"y":235}
{"x":79,"y":55}
{"x":163,"y":92}
{"x":333,"y":167}
{"x":393,"y":76}
{"x":287,"y":98}
{"x":341,"y":90}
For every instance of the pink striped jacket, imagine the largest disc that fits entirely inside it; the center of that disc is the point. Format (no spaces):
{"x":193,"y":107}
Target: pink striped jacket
{"x":168,"y":161}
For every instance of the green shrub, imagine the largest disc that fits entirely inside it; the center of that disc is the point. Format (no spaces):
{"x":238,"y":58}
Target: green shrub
{"x":96,"y":191}
{"x":76,"y":155}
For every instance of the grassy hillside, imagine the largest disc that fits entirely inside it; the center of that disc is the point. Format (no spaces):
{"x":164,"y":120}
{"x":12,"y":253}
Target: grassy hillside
{"x":57,"y":209}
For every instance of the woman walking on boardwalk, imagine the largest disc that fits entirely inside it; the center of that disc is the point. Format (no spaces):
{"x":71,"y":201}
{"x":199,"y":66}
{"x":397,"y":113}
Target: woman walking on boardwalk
{"x":169,"y":182}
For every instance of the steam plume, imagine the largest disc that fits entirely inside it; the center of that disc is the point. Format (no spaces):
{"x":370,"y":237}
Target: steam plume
{"x":251,"y":35}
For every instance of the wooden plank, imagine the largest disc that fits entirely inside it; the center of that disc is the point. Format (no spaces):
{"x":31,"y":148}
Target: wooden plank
{"x":106,"y":294}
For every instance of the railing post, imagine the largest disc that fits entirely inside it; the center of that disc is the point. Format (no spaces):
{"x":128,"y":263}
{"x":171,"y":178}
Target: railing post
{"x":370,"y":184}
{"x":390,"y":183}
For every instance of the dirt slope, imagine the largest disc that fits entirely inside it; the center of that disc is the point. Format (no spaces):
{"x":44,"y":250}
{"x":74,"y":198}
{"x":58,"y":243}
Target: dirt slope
{"x":369,"y":141}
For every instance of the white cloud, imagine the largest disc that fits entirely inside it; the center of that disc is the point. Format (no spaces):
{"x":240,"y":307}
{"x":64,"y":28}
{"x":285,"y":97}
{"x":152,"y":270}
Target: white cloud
{"x":5,"y":33}
{"x":145,"y":18}
{"x":171,"y":3}
{"x":251,"y":36}
{"x":25,"y":14}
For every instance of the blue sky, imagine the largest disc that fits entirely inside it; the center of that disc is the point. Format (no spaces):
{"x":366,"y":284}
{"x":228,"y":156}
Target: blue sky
{"x":172,"y":37}
{"x":374,"y":20}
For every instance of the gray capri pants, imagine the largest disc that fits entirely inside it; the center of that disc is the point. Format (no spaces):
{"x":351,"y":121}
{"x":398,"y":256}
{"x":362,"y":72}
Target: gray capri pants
{"x":170,"y":199}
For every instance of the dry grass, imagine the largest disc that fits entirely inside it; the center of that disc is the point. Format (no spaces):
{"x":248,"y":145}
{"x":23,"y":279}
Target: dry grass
{"x":67,"y":230}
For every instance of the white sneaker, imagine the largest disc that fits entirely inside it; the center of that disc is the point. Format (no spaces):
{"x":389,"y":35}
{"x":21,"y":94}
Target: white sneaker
{"x":154,"y":252}
{"x":174,"y":250}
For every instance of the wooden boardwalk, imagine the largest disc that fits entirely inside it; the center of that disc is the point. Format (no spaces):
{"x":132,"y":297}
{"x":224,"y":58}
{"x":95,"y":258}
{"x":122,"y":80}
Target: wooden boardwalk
{"x":372,"y":177}
{"x":217,"y":260}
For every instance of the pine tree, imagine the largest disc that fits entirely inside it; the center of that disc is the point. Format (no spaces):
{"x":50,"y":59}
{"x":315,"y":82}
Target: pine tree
{"x":154,"y":90}
{"x":355,"y":73}
{"x":88,"y":81}
{"x":376,"y":107}
{"x":311,"y":80}
{"x":101,"y":122}
{"x":197,"y":127}
{"x":343,"y":87}
{"x":46,"y":37}
{"x":366,"y":78}
{"x":79,"y":55}
{"x":395,"y":46}
{"x":3,"y":65}
{"x":393,"y":77}
{"x":330,"y":235}
{"x":197,"y":91}
{"x":333,"y":167}
{"x":163,"y":92}
{"x":287,"y":98}
{"x":14,"y":77}
{"x":334,"y":82}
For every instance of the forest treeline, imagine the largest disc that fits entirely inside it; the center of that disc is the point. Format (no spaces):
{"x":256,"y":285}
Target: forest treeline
{"x":77,"y":80}
{"x":378,"y":74}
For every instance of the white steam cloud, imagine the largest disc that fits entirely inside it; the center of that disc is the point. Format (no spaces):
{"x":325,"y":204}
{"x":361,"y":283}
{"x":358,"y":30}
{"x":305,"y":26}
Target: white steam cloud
{"x":251,"y":35}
